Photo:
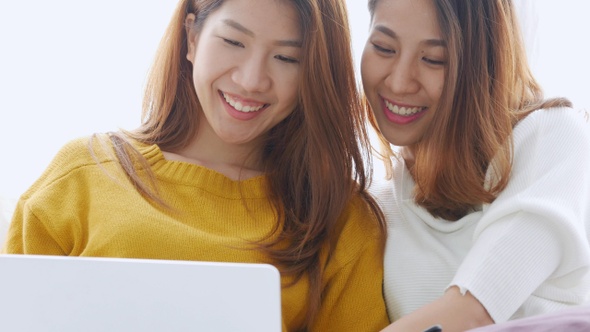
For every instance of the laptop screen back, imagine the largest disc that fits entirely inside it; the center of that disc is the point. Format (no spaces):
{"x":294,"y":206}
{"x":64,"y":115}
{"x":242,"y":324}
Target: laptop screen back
{"x":54,"y":293}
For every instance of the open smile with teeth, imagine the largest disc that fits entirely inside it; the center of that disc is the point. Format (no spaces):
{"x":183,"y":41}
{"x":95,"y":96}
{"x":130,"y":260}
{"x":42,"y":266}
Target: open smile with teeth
{"x":239,"y":106}
{"x":401,"y":110}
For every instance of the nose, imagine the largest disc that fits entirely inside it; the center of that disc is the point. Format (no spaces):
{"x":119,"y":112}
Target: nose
{"x":403,"y":77}
{"x":252,"y":74}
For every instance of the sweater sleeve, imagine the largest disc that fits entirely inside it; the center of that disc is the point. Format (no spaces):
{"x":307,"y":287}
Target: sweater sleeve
{"x":28,"y":235}
{"x":43,"y":206}
{"x":531,"y":241}
{"x":353,"y":292}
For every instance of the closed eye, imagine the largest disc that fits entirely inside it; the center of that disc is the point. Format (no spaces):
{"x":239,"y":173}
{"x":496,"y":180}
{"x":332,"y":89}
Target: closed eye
{"x":286,"y":59}
{"x":383,"y":50}
{"x":233,"y":42}
{"x":434,"y":62}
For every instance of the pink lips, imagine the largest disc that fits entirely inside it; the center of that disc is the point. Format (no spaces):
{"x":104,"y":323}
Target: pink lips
{"x":245,"y":116}
{"x":400,"y":119}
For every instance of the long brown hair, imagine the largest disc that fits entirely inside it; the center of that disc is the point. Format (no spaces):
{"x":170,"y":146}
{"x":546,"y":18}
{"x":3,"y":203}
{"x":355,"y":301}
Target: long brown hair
{"x":315,"y":159}
{"x":488,"y":88}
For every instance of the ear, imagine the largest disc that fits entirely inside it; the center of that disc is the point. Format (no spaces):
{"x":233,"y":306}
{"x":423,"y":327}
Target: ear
{"x":191,"y":36}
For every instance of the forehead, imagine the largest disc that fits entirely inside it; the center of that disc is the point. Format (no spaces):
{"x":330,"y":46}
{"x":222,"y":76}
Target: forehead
{"x":278,"y":18}
{"x":408,"y":17}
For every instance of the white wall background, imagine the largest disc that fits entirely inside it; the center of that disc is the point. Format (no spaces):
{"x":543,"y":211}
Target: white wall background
{"x":69,"y":68}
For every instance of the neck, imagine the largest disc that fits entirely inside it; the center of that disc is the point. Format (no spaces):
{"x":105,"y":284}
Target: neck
{"x":407,"y":153}
{"x":236,"y":161}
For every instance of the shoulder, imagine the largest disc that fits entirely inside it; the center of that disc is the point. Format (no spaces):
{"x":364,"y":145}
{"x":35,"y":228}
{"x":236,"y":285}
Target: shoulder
{"x":357,"y":229}
{"x":85,"y":151}
{"x":562,"y":121}
{"x":556,"y":134}
{"x":75,"y":156}
{"x":359,"y":214}
{"x":82,"y":151}
{"x":93,"y":150}
{"x":357,"y":238}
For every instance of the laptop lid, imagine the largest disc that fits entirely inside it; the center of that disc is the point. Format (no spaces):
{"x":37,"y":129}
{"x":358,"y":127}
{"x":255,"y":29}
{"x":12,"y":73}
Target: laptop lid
{"x":55,"y":293}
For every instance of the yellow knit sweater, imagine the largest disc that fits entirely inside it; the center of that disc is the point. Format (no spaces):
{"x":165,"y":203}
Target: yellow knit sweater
{"x":79,"y":208}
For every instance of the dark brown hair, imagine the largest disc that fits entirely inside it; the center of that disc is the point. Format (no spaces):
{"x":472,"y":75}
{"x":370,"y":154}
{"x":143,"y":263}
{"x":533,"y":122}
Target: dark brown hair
{"x":488,"y":89}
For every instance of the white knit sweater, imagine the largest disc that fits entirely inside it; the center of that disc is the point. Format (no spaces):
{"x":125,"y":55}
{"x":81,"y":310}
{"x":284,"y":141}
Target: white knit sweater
{"x":526,"y":253}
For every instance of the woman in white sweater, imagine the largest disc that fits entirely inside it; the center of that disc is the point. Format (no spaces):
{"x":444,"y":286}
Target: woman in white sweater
{"x":488,"y":196}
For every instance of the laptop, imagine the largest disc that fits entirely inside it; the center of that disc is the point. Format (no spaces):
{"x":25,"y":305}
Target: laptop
{"x":56,"y":293}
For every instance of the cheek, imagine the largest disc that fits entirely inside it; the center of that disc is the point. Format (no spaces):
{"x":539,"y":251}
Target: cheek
{"x":290,"y":99}
{"x":208,"y":67}
{"x":370,"y":73}
{"x":436,"y":86}
{"x":210,"y":54}
{"x":287,"y":86}
{"x":365,"y":70}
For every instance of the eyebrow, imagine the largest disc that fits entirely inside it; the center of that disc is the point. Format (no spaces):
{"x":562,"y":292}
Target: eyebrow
{"x":390,"y":33}
{"x":243,"y":29}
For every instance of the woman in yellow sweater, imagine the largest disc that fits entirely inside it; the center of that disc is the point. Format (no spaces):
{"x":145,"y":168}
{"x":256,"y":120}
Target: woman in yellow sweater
{"x":248,"y":151}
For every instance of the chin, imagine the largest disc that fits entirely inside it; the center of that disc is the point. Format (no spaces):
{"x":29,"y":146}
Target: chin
{"x":397,"y":140}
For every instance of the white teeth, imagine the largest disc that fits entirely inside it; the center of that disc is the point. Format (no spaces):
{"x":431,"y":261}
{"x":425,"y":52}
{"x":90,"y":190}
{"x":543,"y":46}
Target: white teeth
{"x":406,"y":111}
{"x":239,"y":107}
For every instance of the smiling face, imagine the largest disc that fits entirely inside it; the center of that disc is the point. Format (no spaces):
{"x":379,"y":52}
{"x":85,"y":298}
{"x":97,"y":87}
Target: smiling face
{"x":245,"y":68}
{"x":403,"y":68}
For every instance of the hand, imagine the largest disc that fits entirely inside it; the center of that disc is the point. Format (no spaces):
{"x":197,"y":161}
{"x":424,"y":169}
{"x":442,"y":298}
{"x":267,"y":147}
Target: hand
{"x":453,"y":311}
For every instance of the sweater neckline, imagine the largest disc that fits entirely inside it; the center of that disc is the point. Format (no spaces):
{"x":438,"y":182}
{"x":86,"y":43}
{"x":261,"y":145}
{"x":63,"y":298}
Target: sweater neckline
{"x":189,"y":174}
